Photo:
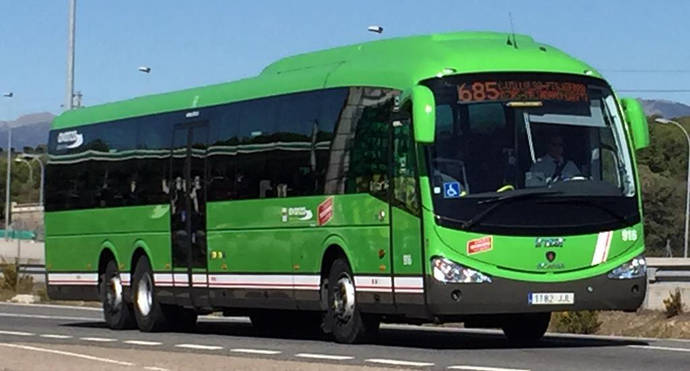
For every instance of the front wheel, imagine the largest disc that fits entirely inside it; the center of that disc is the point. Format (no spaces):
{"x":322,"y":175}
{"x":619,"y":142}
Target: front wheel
{"x":347,"y":323}
{"x":527,"y":327}
{"x":147,"y":310}
{"x":117,"y":312}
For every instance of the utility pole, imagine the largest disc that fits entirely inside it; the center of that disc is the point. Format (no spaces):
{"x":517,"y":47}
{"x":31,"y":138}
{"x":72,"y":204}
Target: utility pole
{"x":7,"y":186}
{"x":69,"y":94}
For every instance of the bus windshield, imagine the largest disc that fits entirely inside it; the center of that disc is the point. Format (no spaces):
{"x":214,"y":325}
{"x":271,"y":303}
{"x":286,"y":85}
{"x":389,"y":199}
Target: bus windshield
{"x":550,"y":136}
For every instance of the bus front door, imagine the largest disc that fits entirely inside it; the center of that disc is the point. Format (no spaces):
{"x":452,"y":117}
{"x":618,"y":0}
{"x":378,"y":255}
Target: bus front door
{"x":187,"y":190}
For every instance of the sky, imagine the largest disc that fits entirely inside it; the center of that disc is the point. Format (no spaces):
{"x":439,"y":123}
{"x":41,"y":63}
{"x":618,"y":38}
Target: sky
{"x":637,"y":45}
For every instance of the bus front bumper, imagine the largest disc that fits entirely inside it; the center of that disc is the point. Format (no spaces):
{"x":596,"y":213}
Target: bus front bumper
{"x":511,"y":296}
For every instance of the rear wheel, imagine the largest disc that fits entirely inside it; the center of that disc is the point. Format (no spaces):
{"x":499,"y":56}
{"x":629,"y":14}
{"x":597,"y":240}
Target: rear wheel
{"x":117,"y":312}
{"x":149,"y":313}
{"x":347,"y":324}
{"x":527,"y":327}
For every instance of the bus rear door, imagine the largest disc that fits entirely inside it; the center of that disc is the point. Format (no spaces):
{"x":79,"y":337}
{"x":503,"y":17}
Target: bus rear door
{"x":187,"y":190}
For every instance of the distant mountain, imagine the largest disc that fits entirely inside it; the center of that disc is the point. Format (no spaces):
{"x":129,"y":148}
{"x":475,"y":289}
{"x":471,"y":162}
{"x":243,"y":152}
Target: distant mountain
{"x":27,"y":131}
{"x":665,"y":108}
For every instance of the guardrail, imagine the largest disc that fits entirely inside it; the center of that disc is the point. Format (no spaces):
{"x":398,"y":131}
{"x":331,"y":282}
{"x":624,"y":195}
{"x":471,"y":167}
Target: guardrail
{"x":32,"y":269}
{"x":668,"y":270}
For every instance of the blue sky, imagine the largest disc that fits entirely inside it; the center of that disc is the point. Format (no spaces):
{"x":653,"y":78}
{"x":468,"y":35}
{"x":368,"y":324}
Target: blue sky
{"x":192,"y":43}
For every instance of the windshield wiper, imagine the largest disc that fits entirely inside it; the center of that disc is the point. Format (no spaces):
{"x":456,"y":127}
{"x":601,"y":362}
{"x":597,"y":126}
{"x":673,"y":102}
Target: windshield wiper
{"x":503,"y":200}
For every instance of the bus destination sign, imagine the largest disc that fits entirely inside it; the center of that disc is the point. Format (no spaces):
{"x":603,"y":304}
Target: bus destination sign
{"x":522,"y":90}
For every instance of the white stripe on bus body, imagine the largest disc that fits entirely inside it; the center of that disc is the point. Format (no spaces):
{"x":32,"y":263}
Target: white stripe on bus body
{"x":181,"y":279}
{"x":72,"y":278}
{"x":373,"y":284}
{"x":265,"y":281}
{"x":306,"y":282}
{"x":408,"y":285}
{"x":199,"y":280}
{"x":163,"y":279}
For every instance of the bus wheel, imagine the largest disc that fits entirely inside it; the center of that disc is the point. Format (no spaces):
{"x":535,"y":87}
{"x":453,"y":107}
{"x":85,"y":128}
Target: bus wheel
{"x":148,"y":312}
{"x":347,"y":323}
{"x":116,"y":311}
{"x":526,"y":328}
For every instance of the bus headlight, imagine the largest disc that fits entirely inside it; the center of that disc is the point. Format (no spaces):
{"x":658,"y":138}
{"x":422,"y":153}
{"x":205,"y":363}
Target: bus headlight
{"x":448,"y":271}
{"x":635,"y":268}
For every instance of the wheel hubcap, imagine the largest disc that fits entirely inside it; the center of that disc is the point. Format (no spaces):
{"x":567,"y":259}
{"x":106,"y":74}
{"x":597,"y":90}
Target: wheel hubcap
{"x":144,"y":295}
{"x":344,"y":299}
{"x":114,"y":292}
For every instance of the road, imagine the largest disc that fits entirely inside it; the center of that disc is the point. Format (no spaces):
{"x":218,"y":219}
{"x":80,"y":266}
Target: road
{"x":42,"y":337}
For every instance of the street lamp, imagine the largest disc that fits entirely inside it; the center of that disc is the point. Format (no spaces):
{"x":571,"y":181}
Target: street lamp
{"x":9,"y":168}
{"x":376,"y":29}
{"x":687,"y":194}
{"x":37,"y":158}
{"x":144,"y":69}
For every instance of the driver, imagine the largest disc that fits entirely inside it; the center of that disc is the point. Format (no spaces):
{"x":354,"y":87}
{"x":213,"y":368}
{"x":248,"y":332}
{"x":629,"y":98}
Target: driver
{"x":552,"y":165}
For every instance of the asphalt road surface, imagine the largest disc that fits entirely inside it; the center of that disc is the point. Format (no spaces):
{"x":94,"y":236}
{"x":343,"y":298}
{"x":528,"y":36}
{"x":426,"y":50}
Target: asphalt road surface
{"x":41,"y":337}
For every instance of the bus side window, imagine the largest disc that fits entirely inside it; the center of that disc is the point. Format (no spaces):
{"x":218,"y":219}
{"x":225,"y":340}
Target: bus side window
{"x":358,"y":160}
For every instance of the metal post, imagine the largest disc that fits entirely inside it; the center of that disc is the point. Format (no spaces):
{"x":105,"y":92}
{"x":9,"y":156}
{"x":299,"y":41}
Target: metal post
{"x":7,"y":186}
{"x":69,"y":94}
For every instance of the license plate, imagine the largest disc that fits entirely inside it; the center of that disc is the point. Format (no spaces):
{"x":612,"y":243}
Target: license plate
{"x":551,"y":298}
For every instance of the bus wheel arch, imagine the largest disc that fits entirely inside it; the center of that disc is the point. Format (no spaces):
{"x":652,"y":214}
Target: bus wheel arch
{"x":117,"y":312}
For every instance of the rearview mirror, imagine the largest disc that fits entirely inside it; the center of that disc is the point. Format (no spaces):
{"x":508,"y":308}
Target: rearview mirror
{"x":423,"y":114}
{"x":634,"y":115}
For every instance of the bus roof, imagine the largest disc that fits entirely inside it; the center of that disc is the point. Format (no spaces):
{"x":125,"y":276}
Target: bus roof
{"x":398,"y":63}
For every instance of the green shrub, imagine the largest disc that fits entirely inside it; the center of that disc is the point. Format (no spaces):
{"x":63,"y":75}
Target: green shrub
{"x":13,"y":281}
{"x":582,"y":322}
{"x":10,"y":277}
{"x":673,"y":304}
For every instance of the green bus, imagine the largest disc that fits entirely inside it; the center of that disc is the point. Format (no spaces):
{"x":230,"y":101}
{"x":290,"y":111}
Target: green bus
{"x":477,"y":177}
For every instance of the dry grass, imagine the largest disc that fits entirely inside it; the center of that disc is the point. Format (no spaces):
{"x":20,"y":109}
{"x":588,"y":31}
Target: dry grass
{"x":645,"y":324}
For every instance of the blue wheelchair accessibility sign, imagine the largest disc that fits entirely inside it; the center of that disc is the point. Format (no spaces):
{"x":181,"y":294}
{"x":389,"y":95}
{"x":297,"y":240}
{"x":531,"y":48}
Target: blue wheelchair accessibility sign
{"x":451,"y":190}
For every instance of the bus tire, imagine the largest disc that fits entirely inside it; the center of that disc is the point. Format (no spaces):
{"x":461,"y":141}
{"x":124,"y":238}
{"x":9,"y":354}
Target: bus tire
{"x":149,"y":313}
{"x":118,"y":314}
{"x":347,"y":324}
{"x":526,"y":328}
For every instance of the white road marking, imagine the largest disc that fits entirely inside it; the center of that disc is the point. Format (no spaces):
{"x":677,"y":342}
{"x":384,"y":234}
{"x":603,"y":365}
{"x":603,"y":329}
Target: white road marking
{"x":142,"y":342}
{"x":654,"y":347}
{"x":42,"y":316}
{"x":52,"y":306}
{"x":69,"y":354}
{"x":55,"y":336}
{"x":323,"y":356}
{"x":255,"y":351}
{"x":197,"y":346}
{"x":152,"y":368}
{"x":483,"y":368}
{"x":399,"y":363}
{"x":98,"y":340}
{"x":17,"y":333}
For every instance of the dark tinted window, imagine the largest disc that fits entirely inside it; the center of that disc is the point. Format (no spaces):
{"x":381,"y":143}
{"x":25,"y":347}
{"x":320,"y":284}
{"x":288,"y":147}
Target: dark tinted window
{"x":273,"y":147}
{"x":330,"y":141}
{"x":358,"y":161}
{"x":114,"y":164}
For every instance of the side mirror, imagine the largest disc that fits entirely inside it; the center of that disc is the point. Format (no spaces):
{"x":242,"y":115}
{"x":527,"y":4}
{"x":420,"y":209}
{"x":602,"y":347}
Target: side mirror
{"x":634,"y":115}
{"x":423,"y":114}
